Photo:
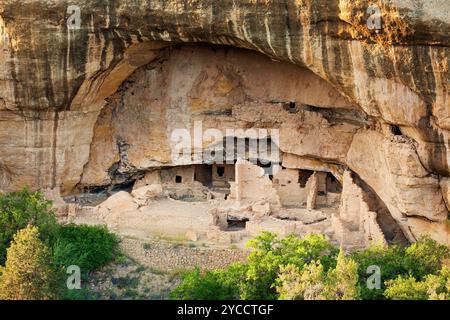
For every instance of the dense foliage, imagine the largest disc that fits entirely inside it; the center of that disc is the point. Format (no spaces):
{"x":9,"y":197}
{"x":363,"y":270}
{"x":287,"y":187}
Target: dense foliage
{"x":209,"y":285}
{"x":269,"y":254}
{"x":423,"y":258}
{"x":17,"y":210}
{"x":89,"y":247}
{"x":28,"y":274}
{"x":313,"y":283}
{"x":35,"y":252}
{"x":433,"y":287}
{"x":46,"y":248}
{"x":313,"y":269}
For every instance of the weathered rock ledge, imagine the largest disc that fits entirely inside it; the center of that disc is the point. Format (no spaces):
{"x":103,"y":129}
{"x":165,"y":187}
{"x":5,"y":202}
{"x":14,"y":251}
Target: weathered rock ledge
{"x":80,"y":107}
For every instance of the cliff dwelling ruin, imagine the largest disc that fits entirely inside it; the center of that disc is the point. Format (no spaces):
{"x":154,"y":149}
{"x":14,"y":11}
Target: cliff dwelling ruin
{"x":301,"y":185}
{"x":359,"y":120}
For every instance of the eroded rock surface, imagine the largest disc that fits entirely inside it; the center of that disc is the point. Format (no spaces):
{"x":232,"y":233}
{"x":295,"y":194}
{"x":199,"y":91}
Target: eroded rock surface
{"x":95,"y":106}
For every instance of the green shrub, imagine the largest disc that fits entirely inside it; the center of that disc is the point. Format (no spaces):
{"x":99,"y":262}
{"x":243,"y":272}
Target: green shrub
{"x":206,"y":285}
{"x":406,"y":288}
{"x":28,"y":274}
{"x":342,"y":282}
{"x":310,"y":268}
{"x":422,"y":258}
{"x":389,"y":259}
{"x":301,"y":284}
{"x":433,"y":287}
{"x":82,"y":295}
{"x":17,"y":210}
{"x":425,"y":257}
{"x":89,"y":247}
{"x":233,"y":278}
{"x":439,"y":285}
{"x":256,"y":280}
{"x":313,"y":283}
{"x":269,"y":253}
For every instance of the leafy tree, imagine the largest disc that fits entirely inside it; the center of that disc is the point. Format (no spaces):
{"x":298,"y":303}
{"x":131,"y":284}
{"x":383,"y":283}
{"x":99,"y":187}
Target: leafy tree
{"x":425,"y":257}
{"x":311,"y":269}
{"x":270,"y":253}
{"x":306,"y":284}
{"x":27,"y":274}
{"x":418,"y":260}
{"x":390,"y":260}
{"x":313,"y":283}
{"x":433,"y":287}
{"x":17,"y":210}
{"x":406,"y":288}
{"x":342,"y":282}
{"x":89,"y":247}
{"x":207,"y":285}
{"x":233,"y":279}
{"x":257,"y":278}
{"x":439,"y":285}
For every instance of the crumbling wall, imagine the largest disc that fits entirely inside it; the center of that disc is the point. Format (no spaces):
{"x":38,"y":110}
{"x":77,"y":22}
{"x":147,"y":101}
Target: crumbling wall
{"x":223,"y":172}
{"x":355,"y":225}
{"x":252,"y":185}
{"x":288,"y":187}
{"x":149,"y":178}
{"x":178,"y":175}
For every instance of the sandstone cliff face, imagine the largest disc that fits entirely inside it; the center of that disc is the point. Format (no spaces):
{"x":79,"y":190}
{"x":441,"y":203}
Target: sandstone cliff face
{"x":377,"y":103}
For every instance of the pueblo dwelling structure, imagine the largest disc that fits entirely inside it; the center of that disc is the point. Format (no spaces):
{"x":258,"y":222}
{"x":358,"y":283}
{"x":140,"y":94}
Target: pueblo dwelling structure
{"x":300,"y":185}
{"x":95,"y":112}
{"x":292,"y":201}
{"x":303,"y":185}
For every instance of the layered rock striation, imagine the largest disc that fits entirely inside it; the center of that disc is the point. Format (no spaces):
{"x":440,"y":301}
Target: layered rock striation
{"x":91,"y":91}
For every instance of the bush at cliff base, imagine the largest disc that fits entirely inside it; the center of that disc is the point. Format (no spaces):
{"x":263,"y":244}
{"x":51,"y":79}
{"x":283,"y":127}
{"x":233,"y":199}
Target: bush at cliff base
{"x":313,"y":269}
